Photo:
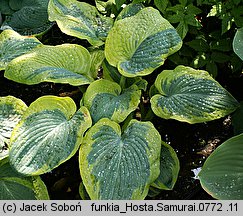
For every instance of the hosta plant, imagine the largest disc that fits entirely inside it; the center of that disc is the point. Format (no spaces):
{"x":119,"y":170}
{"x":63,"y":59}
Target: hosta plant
{"x":120,"y":156}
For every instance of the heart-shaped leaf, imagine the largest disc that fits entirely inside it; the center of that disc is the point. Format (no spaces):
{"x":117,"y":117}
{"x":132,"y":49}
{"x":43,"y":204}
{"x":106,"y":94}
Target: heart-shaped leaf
{"x":13,"y":45}
{"x":119,"y":166}
{"x":48,"y":134}
{"x":169,"y":168}
{"x":11,"y":111}
{"x":191,"y":96}
{"x":222,"y":173}
{"x":14,"y":186}
{"x":30,"y":17}
{"x":66,"y":63}
{"x":137,"y":45}
{"x":104,"y":99}
{"x":238,"y":43}
{"x":80,"y":19}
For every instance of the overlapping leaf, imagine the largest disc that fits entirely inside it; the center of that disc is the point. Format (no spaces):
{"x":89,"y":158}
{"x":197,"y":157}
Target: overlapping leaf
{"x":66,"y":63}
{"x":137,"y":45}
{"x":222,"y":173}
{"x":111,"y":73}
{"x":97,"y":57}
{"x":11,"y":111}
{"x":80,"y":19}
{"x":29,"y":18}
{"x":13,"y":45}
{"x":169,"y":168}
{"x":117,"y":165}
{"x":104,"y":100}
{"x":48,"y":134}
{"x":129,"y":10}
{"x":191,"y":96}
{"x":14,"y":186}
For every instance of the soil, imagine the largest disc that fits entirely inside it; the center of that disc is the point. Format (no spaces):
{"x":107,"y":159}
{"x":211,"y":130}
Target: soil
{"x":193,"y":143}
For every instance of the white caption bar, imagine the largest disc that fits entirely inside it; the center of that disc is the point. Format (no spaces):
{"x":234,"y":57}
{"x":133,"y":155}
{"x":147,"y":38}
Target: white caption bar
{"x":145,"y":207}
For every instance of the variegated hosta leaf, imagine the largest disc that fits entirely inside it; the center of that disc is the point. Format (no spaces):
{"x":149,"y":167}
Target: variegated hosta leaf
{"x":48,"y":134}
{"x":11,"y":111}
{"x":104,"y":99}
{"x":30,"y":17}
{"x":191,"y":96}
{"x":80,"y":19}
{"x":66,"y":63}
{"x":13,"y":45}
{"x":14,"y":186}
{"x":117,"y":165}
{"x":139,"y":44}
{"x":169,"y":168}
{"x":222,"y":173}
